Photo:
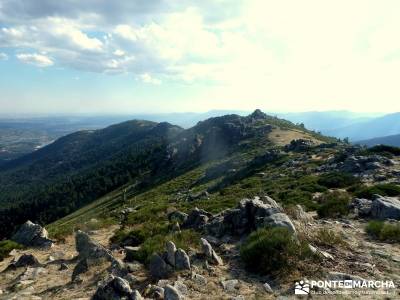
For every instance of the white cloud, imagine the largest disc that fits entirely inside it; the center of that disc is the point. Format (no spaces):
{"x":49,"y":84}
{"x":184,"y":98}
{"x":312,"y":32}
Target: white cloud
{"x":321,"y":53}
{"x":147,"y":78}
{"x":36,"y":59}
{"x":119,"y":52}
{"x":3,"y":56}
{"x":126,"y":31}
{"x":64,"y":29}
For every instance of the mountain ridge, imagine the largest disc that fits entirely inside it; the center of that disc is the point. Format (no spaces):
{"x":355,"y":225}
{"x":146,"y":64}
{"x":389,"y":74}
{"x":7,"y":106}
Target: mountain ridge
{"x":390,"y":140}
{"x":83,"y":166}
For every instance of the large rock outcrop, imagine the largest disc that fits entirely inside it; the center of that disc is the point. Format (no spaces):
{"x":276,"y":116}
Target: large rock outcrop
{"x":90,"y":251}
{"x":32,"y":235}
{"x":361,"y":207}
{"x":357,"y":164}
{"x":249,"y":215}
{"x":197,"y":219}
{"x":385,"y":208}
{"x":299,"y":145}
{"x":380,"y":207}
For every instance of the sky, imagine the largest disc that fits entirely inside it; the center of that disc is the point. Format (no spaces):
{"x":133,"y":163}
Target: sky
{"x":146,"y":56}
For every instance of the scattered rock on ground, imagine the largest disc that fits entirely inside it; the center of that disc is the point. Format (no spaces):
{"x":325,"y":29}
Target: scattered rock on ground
{"x":182,"y":261}
{"x":32,"y":235}
{"x":171,"y":249}
{"x":268,"y":288}
{"x":116,"y":288}
{"x":158,"y":267}
{"x":155,"y":292}
{"x":199,"y":279}
{"x":210,"y":253}
{"x":24,"y":261}
{"x":171,"y":293}
{"x":230,"y":285}
{"x":181,"y":287}
{"x":320,"y":253}
{"x":197,"y":219}
{"x":130,"y":253}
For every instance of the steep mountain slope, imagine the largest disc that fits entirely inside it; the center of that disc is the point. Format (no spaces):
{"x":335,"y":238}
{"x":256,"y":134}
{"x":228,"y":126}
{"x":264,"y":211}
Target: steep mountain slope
{"x":78,"y":168}
{"x":390,"y":140}
{"x":382,"y":126}
{"x":83,"y":166}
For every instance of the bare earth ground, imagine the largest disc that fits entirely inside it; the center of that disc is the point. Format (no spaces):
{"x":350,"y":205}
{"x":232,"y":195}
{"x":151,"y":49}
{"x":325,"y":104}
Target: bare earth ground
{"x":283,"y":137}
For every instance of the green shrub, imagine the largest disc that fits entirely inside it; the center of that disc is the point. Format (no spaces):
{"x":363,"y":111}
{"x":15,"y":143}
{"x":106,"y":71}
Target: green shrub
{"x":138,"y":235}
{"x":6,"y":246}
{"x":337,"y":180}
{"x":390,"y":232}
{"x":385,"y":189}
{"x":273,"y":251}
{"x":385,"y":150}
{"x":156,"y":244}
{"x":310,"y":184}
{"x":334,"y":204}
{"x":294,"y":196}
{"x":374,"y":228}
{"x":384,"y":231}
{"x":328,"y":238}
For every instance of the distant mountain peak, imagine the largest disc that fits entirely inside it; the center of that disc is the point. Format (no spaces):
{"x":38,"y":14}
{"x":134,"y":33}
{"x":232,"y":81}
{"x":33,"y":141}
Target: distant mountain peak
{"x":258,"y":115}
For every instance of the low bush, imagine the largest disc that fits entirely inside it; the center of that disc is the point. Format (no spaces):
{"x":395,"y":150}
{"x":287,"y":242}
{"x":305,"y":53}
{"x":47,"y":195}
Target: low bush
{"x":385,"y":189}
{"x":273,"y":251}
{"x":328,"y":238}
{"x":385,"y":150}
{"x":6,"y":247}
{"x":295,"y":196}
{"x":384,"y":231}
{"x":333,"y":204}
{"x":138,"y":235}
{"x":156,"y":244}
{"x":310,"y":184}
{"x":337,"y":180}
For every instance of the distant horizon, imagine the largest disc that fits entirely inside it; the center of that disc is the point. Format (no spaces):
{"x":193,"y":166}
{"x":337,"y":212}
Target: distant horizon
{"x":120,"y":114}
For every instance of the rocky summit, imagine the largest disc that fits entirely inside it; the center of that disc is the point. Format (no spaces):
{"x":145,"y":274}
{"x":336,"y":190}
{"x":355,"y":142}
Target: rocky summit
{"x":232,"y":208}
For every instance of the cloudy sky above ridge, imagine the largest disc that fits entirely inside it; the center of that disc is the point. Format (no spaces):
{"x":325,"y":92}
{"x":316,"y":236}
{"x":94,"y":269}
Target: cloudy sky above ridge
{"x":100,"y":56}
